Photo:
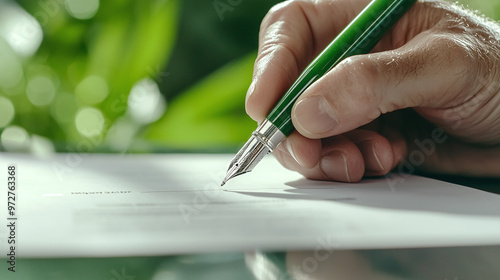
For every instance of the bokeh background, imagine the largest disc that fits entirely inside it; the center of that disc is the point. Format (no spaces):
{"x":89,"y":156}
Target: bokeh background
{"x":130,"y":76}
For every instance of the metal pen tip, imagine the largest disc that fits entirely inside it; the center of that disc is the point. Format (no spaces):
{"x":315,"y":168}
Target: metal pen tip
{"x":263,"y":140}
{"x":232,"y":171}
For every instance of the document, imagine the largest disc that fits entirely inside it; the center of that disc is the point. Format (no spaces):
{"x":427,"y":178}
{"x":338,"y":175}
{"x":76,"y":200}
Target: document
{"x":97,"y":205}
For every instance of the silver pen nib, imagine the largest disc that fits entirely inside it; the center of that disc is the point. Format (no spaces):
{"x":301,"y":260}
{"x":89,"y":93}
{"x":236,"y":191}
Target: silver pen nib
{"x":263,"y":141}
{"x":231,"y":172}
{"x":246,"y":159}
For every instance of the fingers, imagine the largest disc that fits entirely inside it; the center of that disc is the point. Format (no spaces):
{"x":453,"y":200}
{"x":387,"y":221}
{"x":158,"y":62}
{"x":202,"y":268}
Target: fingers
{"x":432,"y":71}
{"x":346,"y":157}
{"x":376,"y":151}
{"x":340,"y":161}
{"x":304,"y":151}
{"x":291,"y":34}
{"x":435,"y":61}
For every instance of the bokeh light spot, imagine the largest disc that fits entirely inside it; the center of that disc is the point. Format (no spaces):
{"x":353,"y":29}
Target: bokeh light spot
{"x":89,"y":122}
{"x":121,"y":135}
{"x":41,"y":146}
{"x":15,"y":139}
{"x":40,"y":91}
{"x":20,"y":29}
{"x":64,"y":108}
{"x":7,"y":111}
{"x":145,"y":102}
{"x":82,"y":9}
{"x":92,"y":90}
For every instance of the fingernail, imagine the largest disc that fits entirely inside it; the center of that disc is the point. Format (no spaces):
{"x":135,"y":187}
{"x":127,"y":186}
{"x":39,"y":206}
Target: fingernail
{"x":314,"y":115}
{"x":372,"y":160}
{"x":334,"y":166}
{"x":289,"y":148}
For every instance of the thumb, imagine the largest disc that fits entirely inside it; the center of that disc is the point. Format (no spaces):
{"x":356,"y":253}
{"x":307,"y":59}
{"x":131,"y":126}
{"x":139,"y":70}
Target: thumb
{"x":431,"y":71}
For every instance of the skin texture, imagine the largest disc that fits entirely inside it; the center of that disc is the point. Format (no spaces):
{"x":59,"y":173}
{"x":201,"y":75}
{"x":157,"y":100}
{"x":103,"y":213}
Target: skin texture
{"x":426,"y":98}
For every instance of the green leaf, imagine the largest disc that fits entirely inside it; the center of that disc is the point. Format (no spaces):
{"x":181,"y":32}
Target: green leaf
{"x":129,"y":48}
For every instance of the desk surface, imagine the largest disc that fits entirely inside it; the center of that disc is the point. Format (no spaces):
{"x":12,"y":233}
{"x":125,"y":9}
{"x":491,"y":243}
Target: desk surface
{"x":424,"y":263}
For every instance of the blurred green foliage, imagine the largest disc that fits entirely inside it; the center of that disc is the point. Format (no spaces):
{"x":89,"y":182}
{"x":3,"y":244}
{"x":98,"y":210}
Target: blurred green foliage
{"x":130,"y":76}
{"x":209,"y":113}
{"x":84,"y":64}
{"x":93,"y":82}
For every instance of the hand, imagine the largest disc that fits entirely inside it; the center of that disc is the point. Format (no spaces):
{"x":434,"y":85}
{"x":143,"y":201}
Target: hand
{"x":427,"y":97}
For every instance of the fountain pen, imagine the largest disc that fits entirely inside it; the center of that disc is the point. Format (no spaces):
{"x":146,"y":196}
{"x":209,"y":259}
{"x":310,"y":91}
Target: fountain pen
{"x":359,"y":37}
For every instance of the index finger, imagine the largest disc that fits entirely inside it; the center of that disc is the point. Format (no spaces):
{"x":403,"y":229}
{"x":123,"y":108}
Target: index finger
{"x":291,"y":34}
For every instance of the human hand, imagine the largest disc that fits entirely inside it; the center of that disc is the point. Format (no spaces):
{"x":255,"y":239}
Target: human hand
{"x":428,"y":95}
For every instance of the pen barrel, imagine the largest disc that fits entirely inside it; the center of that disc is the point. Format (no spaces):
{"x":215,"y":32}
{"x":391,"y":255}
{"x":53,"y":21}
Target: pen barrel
{"x":359,"y":37}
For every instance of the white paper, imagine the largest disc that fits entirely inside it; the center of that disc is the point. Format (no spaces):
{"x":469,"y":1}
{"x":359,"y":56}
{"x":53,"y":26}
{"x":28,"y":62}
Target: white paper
{"x":133,"y":205}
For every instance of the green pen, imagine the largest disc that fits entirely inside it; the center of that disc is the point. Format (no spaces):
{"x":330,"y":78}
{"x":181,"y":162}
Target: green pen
{"x":359,"y":37}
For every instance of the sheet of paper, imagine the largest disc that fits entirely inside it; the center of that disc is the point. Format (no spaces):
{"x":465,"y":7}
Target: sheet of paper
{"x":118,"y":205}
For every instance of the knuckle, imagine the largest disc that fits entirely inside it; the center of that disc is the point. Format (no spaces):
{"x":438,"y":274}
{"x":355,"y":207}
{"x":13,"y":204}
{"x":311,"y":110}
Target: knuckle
{"x":457,"y":48}
{"x":277,"y":34}
{"x":280,"y":57}
{"x":462,"y":54}
{"x":286,"y":9}
{"x":277,"y":12}
{"x":360,"y":76}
